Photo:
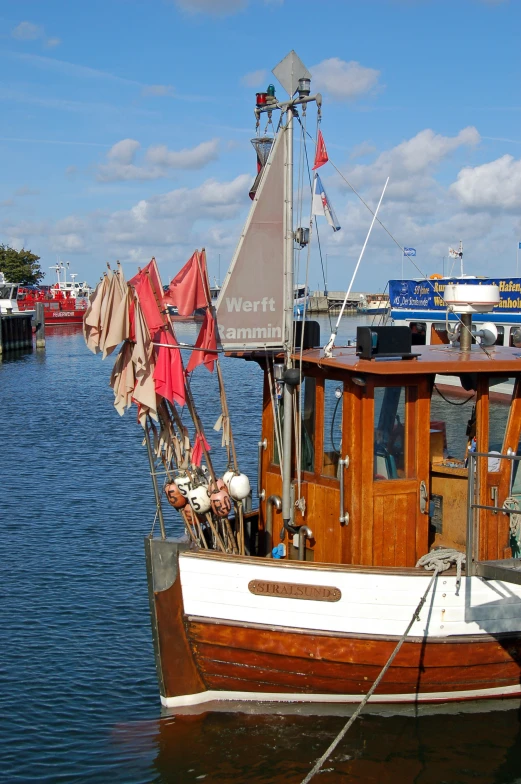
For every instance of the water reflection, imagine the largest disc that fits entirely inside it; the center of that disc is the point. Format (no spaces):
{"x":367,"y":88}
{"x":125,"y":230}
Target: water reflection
{"x":79,"y":696}
{"x":397,"y":748}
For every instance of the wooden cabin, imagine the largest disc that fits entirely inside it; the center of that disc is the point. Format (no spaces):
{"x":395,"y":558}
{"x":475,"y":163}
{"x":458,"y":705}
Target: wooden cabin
{"x":399,"y":443}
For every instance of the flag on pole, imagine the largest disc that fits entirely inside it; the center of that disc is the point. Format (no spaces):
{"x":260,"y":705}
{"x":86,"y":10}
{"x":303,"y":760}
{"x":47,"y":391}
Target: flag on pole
{"x":321,"y":204}
{"x":409,"y":251}
{"x":186,"y":291}
{"x":321,"y":156}
{"x":455,"y":254}
{"x":519,"y":246}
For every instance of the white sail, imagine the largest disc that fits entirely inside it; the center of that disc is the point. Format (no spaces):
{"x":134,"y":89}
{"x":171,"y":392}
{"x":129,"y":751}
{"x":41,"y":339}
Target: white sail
{"x":250,"y":308}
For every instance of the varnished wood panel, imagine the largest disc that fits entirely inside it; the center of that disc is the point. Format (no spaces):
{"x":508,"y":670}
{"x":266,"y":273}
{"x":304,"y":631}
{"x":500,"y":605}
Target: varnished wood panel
{"x":254,"y":659}
{"x":180,"y":673}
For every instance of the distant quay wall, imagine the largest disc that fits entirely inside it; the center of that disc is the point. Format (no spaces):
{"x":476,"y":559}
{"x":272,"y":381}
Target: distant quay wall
{"x":320,"y":302}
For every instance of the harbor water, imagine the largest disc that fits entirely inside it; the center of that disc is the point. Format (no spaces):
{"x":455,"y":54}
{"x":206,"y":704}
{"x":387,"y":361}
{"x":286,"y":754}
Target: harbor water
{"x":79,"y":698}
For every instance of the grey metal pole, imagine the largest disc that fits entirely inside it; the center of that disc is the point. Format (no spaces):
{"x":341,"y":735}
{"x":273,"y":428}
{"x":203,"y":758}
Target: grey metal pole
{"x":465,"y":334}
{"x":154,"y":484}
{"x":39,"y":316}
{"x":287,"y":436}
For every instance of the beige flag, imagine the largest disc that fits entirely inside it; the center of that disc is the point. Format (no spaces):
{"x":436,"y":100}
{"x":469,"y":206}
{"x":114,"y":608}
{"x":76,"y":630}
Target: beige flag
{"x":110,"y":305}
{"x":119,"y":327}
{"x":92,"y":317}
{"x":122,"y":379}
{"x":144,"y":363}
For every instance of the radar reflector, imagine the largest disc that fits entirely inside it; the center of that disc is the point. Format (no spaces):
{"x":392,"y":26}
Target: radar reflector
{"x":289,"y":71}
{"x":262,"y":145}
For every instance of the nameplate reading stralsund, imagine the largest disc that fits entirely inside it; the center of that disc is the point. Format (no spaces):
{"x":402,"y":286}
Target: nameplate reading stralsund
{"x":316,"y":593}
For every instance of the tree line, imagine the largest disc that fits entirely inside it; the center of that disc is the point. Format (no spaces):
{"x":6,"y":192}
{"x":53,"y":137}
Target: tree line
{"x":20,"y":266}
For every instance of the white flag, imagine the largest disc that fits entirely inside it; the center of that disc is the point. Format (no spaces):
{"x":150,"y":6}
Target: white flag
{"x":322,"y":205}
{"x":455,"y":254}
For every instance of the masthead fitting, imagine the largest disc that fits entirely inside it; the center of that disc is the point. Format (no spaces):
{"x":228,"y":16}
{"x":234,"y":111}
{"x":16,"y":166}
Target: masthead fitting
{"x":304,"y":86}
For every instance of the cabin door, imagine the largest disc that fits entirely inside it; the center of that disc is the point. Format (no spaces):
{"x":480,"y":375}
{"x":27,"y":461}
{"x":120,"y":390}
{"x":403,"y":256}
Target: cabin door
{"x":395,"y":484}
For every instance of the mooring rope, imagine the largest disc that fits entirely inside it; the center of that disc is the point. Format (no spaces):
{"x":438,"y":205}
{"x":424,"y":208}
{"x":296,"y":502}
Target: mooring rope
{"x":437,"y":562}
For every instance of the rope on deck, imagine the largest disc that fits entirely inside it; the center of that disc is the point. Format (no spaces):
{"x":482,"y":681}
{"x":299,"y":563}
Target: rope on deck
{"x":439,"y":561}
{"x":442,"y":559}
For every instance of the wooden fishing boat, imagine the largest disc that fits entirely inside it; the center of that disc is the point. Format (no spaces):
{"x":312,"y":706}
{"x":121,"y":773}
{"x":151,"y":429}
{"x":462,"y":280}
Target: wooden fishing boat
{"x":377,"y":488}
{"x":365,"y":478}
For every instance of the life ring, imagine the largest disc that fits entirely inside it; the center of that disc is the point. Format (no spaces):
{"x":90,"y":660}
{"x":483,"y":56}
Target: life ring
{"x":435,"y":276}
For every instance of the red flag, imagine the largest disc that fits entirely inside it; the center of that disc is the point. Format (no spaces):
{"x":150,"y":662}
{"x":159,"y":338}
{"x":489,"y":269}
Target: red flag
{"x":148,"y":288}
{"x":197,"y":451}
{"x":205,"y":340}
{"x":169,"y":379}
{"x":321,"y":152}
{"x":186,"y":290}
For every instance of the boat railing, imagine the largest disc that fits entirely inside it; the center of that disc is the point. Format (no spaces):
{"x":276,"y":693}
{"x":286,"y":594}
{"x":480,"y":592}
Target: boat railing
{"x":508,"y":569}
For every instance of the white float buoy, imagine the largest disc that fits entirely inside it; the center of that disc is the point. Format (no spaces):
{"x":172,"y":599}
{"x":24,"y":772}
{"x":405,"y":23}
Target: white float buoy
{"x":199,"y":499}
{"x":184,"y":483}
{"x":239,"y":487}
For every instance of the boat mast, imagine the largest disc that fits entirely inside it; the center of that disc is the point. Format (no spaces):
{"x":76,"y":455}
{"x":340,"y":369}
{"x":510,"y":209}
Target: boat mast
{"x":296,"y":80}
{"x":287,"y":435}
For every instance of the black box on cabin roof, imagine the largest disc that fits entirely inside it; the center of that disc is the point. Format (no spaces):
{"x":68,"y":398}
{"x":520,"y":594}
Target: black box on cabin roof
{"x":383,"y":342}
{"x":311,"y":334}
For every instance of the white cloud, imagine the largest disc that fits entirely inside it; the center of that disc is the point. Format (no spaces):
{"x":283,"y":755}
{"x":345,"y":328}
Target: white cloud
{"x":71,"y":243}
{"x":194,"y":158}
{"x":255,"y":78}
{"x":491,"y":186}
{"x":159,"y":160}
{"x":124,"y":151}
{"x":24,"y":190}
{"x":343,"y":81}
{"x":410,"y":164}
{"x":362,"y":149}
{"x":157,"y":90}
{"x":27,"y":31}
{"x":214,"y":7}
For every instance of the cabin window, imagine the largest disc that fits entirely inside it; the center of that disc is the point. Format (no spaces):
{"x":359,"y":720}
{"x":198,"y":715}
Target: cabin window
{"x":500,"y":393}
{"x":308,"y":392}
{"x":333,"y":394}
{"x":453,"y":416}
{"x":500,"y":341}
{"x":418,"y":333}
{"x":390,"y":428}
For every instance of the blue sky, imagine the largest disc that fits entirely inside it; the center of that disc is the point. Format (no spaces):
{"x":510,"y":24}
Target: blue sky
{"x":126,"y":126}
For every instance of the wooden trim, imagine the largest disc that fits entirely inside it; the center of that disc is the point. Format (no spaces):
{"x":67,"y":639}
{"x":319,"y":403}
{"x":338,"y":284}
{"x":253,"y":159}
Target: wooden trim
{"x":500,"y":637}
{"x":319,"y":426}
{"x":317,"y":566}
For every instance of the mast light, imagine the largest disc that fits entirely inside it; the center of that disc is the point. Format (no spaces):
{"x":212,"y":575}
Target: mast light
{"x":304,"y":87}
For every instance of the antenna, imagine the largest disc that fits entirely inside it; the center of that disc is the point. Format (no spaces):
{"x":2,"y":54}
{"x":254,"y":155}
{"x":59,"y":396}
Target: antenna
{"x":328,"y":348}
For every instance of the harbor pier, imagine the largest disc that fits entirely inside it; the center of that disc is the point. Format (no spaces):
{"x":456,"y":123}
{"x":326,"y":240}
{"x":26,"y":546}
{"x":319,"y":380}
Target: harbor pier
{"x":15,"y":332}
{"x":331,"y":301}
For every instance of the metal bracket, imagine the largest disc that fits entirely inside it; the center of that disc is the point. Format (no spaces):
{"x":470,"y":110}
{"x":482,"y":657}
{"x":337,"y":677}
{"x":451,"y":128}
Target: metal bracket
{"x":344,"y":516}
{"x":424,"y":498}
{"x":261,"y":445}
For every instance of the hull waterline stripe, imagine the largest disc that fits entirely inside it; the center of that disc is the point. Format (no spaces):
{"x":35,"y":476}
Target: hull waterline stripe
{"x":254,"y":696}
